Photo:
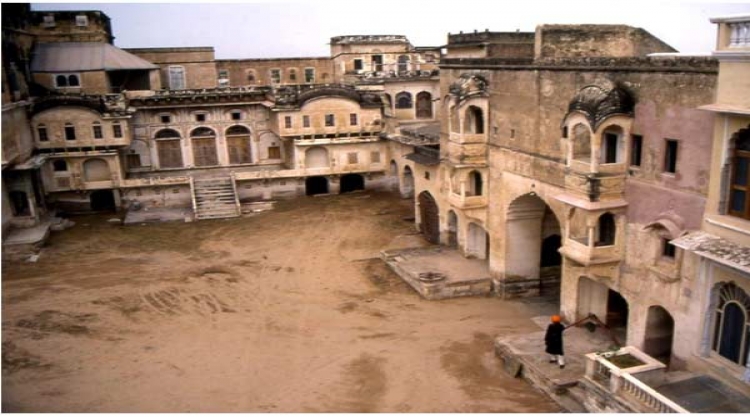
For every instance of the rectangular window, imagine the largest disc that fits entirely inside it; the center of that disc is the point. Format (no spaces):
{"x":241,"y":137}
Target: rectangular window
{"x":165,"y":118}
{"x":353,"y":119}
{"x":309,"y":75}
{"x":275,"y":76}
{"x":377,"y":62}
{"x":236,"y":115}
{"x":223,"y":80}
{"x":668,"y":249}
{"x":358,"y":65}
{"x":330,"y":120}
{"x":82,"y":20}
{"x":42,"y":134}
{"x":200,"y":117}
{"x":352,"y":157}
{"x":292,"y":75}
{"x":98,"y":132}
{"x":636,"y":149}
{"x":670,"y":156}
{"x":375,"y":157}
{"x":274,"y":152}
{"x":305,"y":121}
{"x":176,"y":78}
{"x":70,"y":133}
{"x":288,"y":122}
{"x":117,"y":131}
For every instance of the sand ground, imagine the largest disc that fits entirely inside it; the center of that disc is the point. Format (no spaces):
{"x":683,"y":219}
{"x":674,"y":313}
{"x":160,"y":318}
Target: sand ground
{"x":286,"y":311}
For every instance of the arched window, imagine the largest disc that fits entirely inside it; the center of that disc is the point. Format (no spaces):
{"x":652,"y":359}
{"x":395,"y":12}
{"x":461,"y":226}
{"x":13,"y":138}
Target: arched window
{"x":730,"y":338}
{"x":403,"y":100}
{"x":403,"y":63}
{"x":73,"y":81}
{"x":606,"y":230}
{"x":59,"y":165}
{"x":475,"y":183}
{"x":251,"y":76}
{"x":424,"y":105}
{"x":474,"y":120}
{"x":292,"y":75}
{"x":739,"y":188}
{"x":239,"y":144}
{"x":61,"y":81}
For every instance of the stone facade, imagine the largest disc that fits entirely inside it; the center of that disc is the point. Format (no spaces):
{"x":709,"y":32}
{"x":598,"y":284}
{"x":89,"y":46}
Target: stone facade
{"x":572,"y":160}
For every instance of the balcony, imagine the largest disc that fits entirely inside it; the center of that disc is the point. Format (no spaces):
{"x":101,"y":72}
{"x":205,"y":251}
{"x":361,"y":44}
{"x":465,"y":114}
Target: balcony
{"x":594,"y":187}
{"x":468,"y":138}
{"x":583,"y":251}
{"x":629,"y":374}
{"x":467,"y":202}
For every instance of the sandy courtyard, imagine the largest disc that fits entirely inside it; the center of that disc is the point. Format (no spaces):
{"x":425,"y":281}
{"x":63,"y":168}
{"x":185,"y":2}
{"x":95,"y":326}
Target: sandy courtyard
{"x":285,"y":311}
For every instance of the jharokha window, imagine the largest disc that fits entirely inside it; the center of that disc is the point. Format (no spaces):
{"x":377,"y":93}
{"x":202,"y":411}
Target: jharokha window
{"x":739,"y":189}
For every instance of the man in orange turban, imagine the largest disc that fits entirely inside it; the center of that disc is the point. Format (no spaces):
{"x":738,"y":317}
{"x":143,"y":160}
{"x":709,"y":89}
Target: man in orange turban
{"x":553,"y":339}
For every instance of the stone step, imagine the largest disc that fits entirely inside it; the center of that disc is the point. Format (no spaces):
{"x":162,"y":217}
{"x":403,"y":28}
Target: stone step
{"x":215,"y":192}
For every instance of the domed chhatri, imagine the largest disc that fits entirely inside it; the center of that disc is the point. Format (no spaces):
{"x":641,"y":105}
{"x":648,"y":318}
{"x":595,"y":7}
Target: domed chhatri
{"x":599,"y":101}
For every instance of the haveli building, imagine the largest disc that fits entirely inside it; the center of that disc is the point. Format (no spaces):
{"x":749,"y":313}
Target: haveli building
{"x":572,"y":160}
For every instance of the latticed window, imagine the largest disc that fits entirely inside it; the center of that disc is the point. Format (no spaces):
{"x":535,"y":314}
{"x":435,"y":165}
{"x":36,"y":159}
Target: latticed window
{"x":739,"y":188}
{"x":731,"y":334}
{"x":117,"y":130}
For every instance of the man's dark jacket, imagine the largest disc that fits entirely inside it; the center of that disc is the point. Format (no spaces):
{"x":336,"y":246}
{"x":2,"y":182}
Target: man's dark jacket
{"x":553,"y":339}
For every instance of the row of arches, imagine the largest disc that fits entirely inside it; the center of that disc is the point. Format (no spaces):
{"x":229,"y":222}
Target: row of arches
{"x":203,"y":142}
{"x":533,"y":239}
{"x":404,"y":100}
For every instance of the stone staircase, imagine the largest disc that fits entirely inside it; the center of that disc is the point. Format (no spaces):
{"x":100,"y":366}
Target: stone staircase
{"x":214,"y":198}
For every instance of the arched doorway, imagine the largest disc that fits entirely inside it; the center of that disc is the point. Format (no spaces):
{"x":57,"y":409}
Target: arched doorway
{"x":424,"y":105}
{"x":659,"y":334}
{"x":617,"y":314}
{"x":316,"y":157}
{"x":452,"y":229}
{"x":96,"y":170}
{"x":351,"y":182}
{"x":407,"y":185}
{"x":316,"y":185}
{"x":102,"y":200}
{"x":528,"y":221}
{"x":239,"y":144}
{"x":429,"y":223}
{"x":477,"y":242}
{"x":203,"y":140}
{"x":168,"y":148}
